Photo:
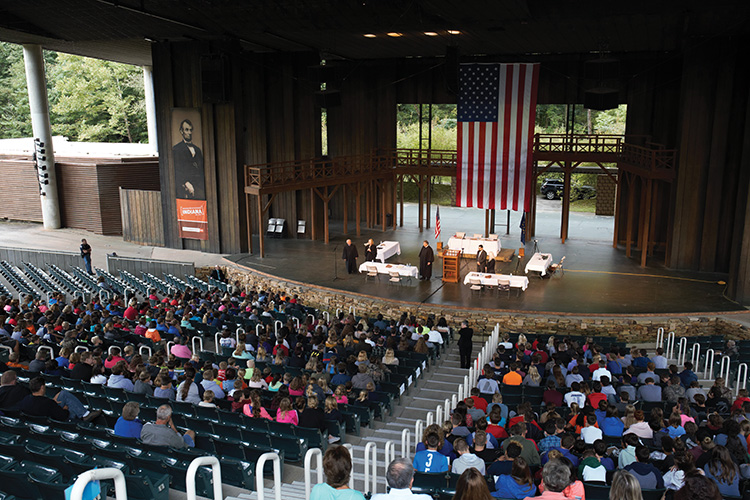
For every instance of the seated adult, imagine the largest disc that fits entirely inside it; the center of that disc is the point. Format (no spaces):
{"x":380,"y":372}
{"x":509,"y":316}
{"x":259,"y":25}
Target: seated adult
{"x":10,"y":392}
{"x":163,"y":431}
{"x":361,"y":379}
{"x":649,"y":392}
{"x":337,"y":467}
{"x":612,"y":425}
{"x":646,"y":473}
{"x":64,"y":406}
{"x":39,"y":362}
{"x":128,"y":425}
{"x":556,"y":477}
{"x":400,"y":476}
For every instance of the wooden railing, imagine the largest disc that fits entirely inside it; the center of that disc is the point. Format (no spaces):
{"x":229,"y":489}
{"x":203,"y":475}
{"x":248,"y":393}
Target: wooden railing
{"x":314,"y":172}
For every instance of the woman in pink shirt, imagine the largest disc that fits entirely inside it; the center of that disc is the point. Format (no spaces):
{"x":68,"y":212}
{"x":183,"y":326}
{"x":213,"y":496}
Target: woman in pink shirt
{"x":286,"y":414}
{"x":296,"y":387}
{"x":113,"y":358}
{"x":255,"y":408}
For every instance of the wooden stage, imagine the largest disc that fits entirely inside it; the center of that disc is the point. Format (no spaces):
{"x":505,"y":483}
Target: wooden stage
{"x":597,"y":279}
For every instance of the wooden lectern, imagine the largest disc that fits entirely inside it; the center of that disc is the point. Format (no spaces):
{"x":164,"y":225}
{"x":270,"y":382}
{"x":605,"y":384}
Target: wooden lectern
{"x":451,"y":263}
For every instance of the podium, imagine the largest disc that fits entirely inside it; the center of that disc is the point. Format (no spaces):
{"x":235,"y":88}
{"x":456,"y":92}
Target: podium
{"x":451,"y":263}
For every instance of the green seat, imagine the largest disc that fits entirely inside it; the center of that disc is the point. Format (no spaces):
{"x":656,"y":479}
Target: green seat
{"x":17,"y":484}
{"x":429,"y":483}
{"x":654,"y":494}
{"x":596,"y":491}
{"x":148,"y":484}
{"x":49,"y":489}
{"x":53,"y":458}
{"x":177,"y":470}
{"x":39,"y":471}
{"x":315,"y":438}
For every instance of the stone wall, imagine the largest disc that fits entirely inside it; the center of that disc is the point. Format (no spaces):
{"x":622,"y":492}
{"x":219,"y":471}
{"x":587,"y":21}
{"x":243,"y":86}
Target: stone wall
{"x":605,"y":195}
{"x":627,"y":329}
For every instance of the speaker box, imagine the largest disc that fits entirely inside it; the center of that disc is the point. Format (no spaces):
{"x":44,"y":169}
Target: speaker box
{"x":601,"y":99}
{"x":328,"y":98}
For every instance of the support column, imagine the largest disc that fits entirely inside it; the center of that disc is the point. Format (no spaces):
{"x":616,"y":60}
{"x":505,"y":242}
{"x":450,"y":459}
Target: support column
{"x":39,"y":107}
{"x":148,"y":90}
{"x":565,"y":202}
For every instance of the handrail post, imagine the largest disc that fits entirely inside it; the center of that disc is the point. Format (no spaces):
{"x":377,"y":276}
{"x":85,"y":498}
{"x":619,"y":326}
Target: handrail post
{"x":390,"y":452}
{"x":348,"y":446}
{"x":741,"y":377}
{"x":405,"y":438}
{"x":258,"y":329}
{"x":200,"y":344}
{"x":419,"y":429}
{"x":141,"y":349}
{"x":276,"y":474}
{"x":660,"y":337}
{"x":434,"y":417}
{"x":446,"y":412}
{"x":682,"y":351}
{"x":215,"y":470}
{"x":708,"y":369}
{"x":670,"y":346}
{"x":724,"y":372}
{"x":696,"y":356}
{"x":121,"y":489}
{"x":276,"y":326}
{"x":318,"y":454}
{"x":371,"y":467}
{"x":217,"y":345}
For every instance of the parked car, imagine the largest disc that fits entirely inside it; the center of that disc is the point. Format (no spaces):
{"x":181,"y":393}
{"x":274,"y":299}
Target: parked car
{"x":552,"y":189}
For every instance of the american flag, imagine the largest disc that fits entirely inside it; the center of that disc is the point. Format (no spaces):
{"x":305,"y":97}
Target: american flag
{"x":496,"y":112}
{"x":437,"y":222}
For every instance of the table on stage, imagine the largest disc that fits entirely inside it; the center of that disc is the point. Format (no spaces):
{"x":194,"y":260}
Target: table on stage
{"x":539,"y":262}
{"x":383,"y":268}
{"x":387,"y":249}
{"x":470,"y":246}
{"x":521,"y":282}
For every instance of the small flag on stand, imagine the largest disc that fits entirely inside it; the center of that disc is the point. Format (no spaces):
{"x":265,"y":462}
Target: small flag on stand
{"x":523,"y":229}
{"x":437,"y":222}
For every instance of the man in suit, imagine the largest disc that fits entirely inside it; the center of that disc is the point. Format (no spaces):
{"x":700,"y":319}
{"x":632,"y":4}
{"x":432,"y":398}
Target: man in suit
{"x":481,"y":260}
{"x":188,"y":166}
{"x":350,"y":256}
{"x":371,"y":250}
{"x":426,"y":258}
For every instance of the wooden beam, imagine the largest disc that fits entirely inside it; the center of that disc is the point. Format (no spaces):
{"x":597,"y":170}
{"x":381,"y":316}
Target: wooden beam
{"x":428,"y":184}
{"x":492,"y":221}
{"x":346,"y":214}
{"x":401,"y":198}
{"x":652,"y":224}
{"x":645,"y":231}
{"x":486,"y":222}
{"x":325,"y":215}
{"x":393,"y":203}
{"x":420,"y":185}
{"x":357,"y":208}
{"x":382,"y":206}
{"x":565,"y":205}
{"x":249,"y":224}
{"x":313,"y":232}
{"x":618,"y":182}
{"x":260,"y":225}
{"x":631,"y":203}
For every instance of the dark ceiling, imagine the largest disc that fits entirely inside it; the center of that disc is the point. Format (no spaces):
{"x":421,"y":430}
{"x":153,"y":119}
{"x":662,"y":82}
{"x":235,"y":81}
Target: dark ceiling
{"x":121,"y":30}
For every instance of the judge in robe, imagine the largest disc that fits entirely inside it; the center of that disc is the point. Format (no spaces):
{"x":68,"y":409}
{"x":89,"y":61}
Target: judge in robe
{"x":481,"y":260}
{"x":350,"y":256}
{"x":426,"y":258}
{"x":371,"y":250}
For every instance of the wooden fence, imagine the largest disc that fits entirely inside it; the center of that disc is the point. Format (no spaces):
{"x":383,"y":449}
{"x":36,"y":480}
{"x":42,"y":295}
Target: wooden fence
{"x":141,"y":215}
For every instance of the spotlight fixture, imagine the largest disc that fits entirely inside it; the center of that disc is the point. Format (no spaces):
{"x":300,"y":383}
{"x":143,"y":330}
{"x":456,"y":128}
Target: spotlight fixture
{"x":430,"y":33}
{"x":395,"y":34}
{"x":454,"y":32}
{"x":369,"y":35}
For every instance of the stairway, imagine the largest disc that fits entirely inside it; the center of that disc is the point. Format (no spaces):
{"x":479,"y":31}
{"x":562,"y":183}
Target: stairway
{"x":436,"y":384}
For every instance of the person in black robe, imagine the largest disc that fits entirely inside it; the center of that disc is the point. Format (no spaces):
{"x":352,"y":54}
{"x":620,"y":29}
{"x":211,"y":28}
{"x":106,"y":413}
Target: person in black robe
{"x":350,"y":256}
{"x":481,"y":260}
{"x":426,"y":258}
{"x":218,"y":275}
{"x":371,"y":250}
{"x":465,"y":344}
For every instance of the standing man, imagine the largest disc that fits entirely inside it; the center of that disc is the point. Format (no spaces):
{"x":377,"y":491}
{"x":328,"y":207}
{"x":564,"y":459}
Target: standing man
{"x":426,"y":258}
{"x":350,"y":256}
{"x":86,"y":255}
{"x":218,"y":274}
{"x":188,"y":165}
{"x":481,"y":260}
{"x":371,"y":250}
{"x":465,"y":344}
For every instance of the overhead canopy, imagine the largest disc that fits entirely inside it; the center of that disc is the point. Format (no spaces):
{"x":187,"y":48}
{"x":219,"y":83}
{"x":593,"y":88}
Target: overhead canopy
{"x":120,"y":30}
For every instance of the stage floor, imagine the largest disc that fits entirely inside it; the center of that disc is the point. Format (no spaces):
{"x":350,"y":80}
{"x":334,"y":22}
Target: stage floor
{"x":597,"y":278}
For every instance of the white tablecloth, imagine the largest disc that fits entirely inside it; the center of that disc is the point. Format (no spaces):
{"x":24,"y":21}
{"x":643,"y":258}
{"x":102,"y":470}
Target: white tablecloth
{"x":383,"y":268}
{"x":539,"y":262}
{"x":471,"y":245}
{"x":521,"y":282}
{"x":388,"y":249}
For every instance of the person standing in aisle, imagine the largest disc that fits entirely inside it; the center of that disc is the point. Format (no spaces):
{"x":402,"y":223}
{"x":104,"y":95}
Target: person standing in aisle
{"x":86,"y":255}
{"x":465,"y":344}
{"x":426,"y":258}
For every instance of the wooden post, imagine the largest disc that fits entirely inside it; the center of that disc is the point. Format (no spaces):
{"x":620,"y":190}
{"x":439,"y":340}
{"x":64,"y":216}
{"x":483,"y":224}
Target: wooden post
{"x":382,"y":205}
{"x":428,"y":184}
{"x":618,"y":185}
{"x":652,"y":224}
{"x":647,"y":221}
{"x":486,"y":222}
{"x":260,"y":225}
{"x":313,"y":233}
{"x":325,"y":215}
{"x":357,"y":207}
{"x":345,"y":209}
{"x":631,"y":203}
{"x":401,"y":198}
{"x":531,"y":219}
{"x":565,"y":202}
{"x":393,"y":203}
{"x":249,"y":224}
{"x":492,"y":221}
{"x":420,"y":184}
{"x":642,"y":214}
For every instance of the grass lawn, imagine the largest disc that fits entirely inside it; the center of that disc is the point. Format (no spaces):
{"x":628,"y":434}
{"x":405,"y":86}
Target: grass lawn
{"x":583,"y":206}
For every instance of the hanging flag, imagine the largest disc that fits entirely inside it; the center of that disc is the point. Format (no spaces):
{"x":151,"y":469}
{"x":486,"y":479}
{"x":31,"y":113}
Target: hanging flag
{"x":437,"y":222}
{"x":496,"y":113}
{"x":523,"y":229}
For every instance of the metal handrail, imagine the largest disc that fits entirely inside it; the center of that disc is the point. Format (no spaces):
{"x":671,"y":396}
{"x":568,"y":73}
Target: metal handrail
{"x":405,"y":438}
{"x":316,"y":453}
{"x":371,"y":467}
{"x":121,"y":488}
{"x":276,"y":474}
{"x":216,"y":472}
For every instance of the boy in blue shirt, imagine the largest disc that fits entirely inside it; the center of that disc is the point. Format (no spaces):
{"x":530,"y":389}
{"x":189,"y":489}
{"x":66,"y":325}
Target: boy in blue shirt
{"x":430,"y":460}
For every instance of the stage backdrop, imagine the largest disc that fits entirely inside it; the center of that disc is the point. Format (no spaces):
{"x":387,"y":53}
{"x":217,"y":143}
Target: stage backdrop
{"x":190,"y":179}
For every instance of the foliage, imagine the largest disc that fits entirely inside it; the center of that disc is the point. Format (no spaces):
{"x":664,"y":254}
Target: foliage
{"x":90,"y":99}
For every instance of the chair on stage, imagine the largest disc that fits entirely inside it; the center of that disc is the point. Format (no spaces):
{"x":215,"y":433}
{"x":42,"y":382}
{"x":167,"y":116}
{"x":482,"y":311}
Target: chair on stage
{"x":394,"y":277}
{"x":476,"y":284}
{"x":493,"y":237}
{"x":460,"y":236}
{"x":372,"y":272}
{"x":503,"y":286}
{"x":478,"y":235}
{"x":521,"y":255}
{"x":554,"y":268}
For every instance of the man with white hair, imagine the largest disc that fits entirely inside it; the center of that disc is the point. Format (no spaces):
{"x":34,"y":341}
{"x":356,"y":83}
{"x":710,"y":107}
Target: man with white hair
{"x":164,"y":433}
{"x":400,"y":477}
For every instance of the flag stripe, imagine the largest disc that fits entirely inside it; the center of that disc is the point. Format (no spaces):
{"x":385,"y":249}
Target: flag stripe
{"x":497,"y":108}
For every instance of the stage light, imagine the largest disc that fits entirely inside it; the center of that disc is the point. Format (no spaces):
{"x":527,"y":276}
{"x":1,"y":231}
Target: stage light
{"x":454,"y":32}
{"x":369,"y":35}
{"x":430,"y":33}
{"x":395,"y":34}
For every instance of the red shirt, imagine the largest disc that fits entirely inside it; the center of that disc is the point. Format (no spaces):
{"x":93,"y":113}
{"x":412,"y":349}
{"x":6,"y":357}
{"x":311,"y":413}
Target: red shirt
{"x":738,"y":403}
{"x":595,"y":397}
{"x":497,"y":431}
{"x":130,"y":313}
{"x":480,"y":403}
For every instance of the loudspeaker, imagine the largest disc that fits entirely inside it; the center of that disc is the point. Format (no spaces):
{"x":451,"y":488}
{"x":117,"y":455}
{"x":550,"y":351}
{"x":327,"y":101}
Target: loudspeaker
{"x":602,"y":69}
{"x":216,"y":85}
{"x":328,"y":98}
{"x":601,"y":99}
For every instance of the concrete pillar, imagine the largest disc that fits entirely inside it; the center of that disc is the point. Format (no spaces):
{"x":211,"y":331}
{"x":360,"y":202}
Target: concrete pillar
{"x":148,"y":87}
{"x":39,"y":106}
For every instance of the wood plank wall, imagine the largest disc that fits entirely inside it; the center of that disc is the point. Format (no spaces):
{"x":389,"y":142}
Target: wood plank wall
{"x":19,"y":191}
{"x":142,"y":221}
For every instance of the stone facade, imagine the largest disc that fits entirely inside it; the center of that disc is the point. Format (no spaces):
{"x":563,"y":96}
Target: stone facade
{"x":627,"y":329}
{"x":606,"y":190}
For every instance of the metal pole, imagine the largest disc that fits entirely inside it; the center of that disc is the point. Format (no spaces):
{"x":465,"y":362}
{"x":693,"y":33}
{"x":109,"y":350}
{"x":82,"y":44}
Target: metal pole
{"x":39,"y":107}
